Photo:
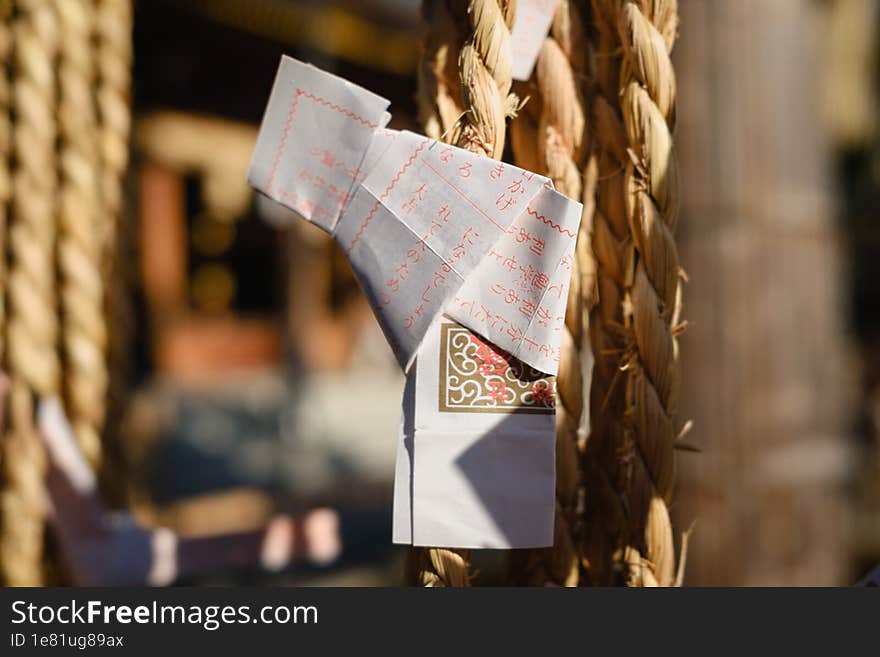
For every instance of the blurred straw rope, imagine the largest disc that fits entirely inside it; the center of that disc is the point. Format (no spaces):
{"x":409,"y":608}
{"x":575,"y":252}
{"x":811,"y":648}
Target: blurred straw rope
{"x":484,"y":62}
{"x":629,"y":462}
{"x":32,"y":326}
{"x":113,"y":24}
{"x":113,"y":31}
{"x":439,"y":87}
{"x":79,"y":218}
{"x":5,"y":145}
{"x":5,"y":196}
{"x":68,"y":154}
{"x":550,"y":136}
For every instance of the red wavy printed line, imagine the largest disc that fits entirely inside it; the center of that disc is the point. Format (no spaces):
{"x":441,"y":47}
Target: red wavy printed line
{"x":283,"y":143}
{"x":338,"y":108}
{"x":289,"y":124}
{"x":549,"y":222}
{"x":394,"y":181}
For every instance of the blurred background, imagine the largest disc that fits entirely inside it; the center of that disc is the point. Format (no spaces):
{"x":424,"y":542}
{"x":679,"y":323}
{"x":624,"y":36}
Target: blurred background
{"x":259,"y":382}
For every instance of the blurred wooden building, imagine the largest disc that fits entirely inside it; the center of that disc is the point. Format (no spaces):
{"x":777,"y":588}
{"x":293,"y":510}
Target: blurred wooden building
{"x":256,"y":346}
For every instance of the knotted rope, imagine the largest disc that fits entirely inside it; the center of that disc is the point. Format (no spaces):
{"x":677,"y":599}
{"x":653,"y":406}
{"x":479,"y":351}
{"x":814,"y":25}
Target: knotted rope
{"x":32,"y":328}
{"x":484,"y":63}
{"x":629,"y":465}
{"x":551,"y":137}
{"x":79,"y":245}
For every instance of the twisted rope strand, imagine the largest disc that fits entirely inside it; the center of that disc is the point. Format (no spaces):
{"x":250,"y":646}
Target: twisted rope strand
{"x":485,"y":63}
{"x":113,"y":27}
{"x":629,"y":461}
{"x":32,"y":325}
{"x":113,"y":24}
{"x":5,"y":145}
{"x":79,"y":247}
{"x":551,"y":138}
{"x":6,"y":445}
{"x":439,"y":88}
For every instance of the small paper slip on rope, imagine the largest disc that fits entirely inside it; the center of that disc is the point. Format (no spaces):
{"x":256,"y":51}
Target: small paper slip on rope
{"x":533,"y":20}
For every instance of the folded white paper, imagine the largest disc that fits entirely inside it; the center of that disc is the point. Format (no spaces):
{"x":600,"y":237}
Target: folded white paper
{"x":430,"y":229}
{"x":416,"y":217}
{"x":517,"y":295}
{"x":312,"y":141}
{"x":476,"y":456}
{"x":422,"y":222}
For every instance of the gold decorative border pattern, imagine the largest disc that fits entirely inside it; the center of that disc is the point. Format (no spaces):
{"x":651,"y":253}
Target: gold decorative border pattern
{"x":478,"y":377}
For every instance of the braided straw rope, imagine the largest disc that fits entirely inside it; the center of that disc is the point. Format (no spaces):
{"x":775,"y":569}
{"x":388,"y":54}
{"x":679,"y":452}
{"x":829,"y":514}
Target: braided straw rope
{"x":113,"y":27}
{"x":32,"y":325}
{"x":5,"y":145}
{"x":484,"y":63}
{"x":5,"y":196}
{"x":550,"y":137}
{"x":79,"y":247}
{"x":629,"y":465}
{"x":439,"y":86}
